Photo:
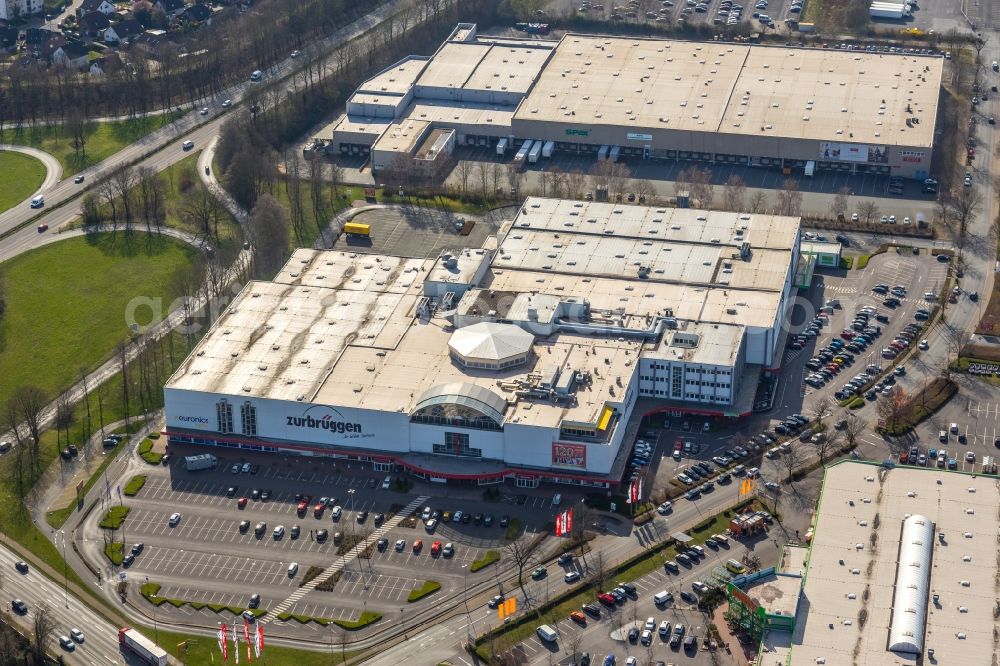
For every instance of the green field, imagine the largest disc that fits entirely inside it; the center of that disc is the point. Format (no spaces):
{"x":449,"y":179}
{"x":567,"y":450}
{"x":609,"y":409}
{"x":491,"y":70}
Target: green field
{"x":66,"y":304}
{"x":20,"y":176}
{"x":102,"y":140}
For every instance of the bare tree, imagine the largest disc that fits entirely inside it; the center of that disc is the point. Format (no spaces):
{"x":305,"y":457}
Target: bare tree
{"x":42,"y":627}
{"x":560,"y":181}
{"x":482,"y":171}
{"x":598,"y":569}
{"x":618,"y":176}
{"x":203,"y":212}
{"x":269,"y":232}
{"x":521,"y":552}
{"x":735,"y":193}
{"x":890,"y":408}
{"x":464,"y":174}
{"x":758,"y":202}
{"x":645,"y":191}
{"x":575,"y":182}
{"x":791,"y":459}
{"x":28,"y":403}
{"x":868,"y":210}
{"x":829,"y":441}
{"x":853,"y":427}
{"x":600,"y":176}
{"x":964,"y":205}
{"x":840,"y":204}
{"x":822,"y":408}
{"x":789,"y":198}
{"x":514,"y":178}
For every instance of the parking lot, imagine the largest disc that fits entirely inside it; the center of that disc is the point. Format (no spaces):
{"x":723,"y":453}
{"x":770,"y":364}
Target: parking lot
{"x":608,"y":634}
{"x":208,"y":556}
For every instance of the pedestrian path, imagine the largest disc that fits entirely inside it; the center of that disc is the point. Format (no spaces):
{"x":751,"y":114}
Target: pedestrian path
{"x":346,"y":559}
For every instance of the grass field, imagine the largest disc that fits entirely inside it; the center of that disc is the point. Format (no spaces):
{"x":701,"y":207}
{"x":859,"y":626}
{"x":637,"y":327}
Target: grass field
{"x":195,"y":649}
{"x":66,"y":304}
{"x":102,"y":140}
{"x":20,"y":175}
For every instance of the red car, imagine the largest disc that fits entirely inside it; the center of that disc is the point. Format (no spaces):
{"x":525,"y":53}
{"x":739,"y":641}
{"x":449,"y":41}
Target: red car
{"x":847,"y":334}
{"x":418,"y":545}
{"x":242,"y":503}
{"x":318,"y":510}
{"x":303,"y":505}
{"x":435,"y":548}
{"x":606,"y":599}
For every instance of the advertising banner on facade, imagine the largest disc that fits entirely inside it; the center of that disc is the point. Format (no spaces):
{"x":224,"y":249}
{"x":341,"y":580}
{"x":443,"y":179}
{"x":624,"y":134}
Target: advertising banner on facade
{"x":850,"y":152}
{"x":636,"y":136}
{"x":569,"y":455}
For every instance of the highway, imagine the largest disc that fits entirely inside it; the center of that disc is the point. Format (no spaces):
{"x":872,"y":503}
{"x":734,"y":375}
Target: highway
{"x":100,"y":644}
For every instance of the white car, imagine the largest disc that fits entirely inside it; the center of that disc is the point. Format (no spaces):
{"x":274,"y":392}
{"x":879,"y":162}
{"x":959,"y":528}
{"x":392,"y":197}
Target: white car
{"x":772,"y":486}
{"x":76,"y":635}
{"x":400,"y":545}
{"x":650,"y":624}
{"x":67,"y":644}
{"x":431,"y":525}
{"x":647,"y":637}
{"x":187,"y":145}
{"x":665,"y":508}
{"x":426,"y":514}
{"x":227,"y":103}
{"x":699,"y":587}
{"x":235,"y":469}
{"x":175,"y":518}
{"x":923,"y":345}
{"x":204,"y":111}
{"x":293,"y":568}
{"x":279,"y":532}
{"x":664,"y":628}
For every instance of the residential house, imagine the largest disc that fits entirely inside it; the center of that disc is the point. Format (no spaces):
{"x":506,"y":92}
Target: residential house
{"x":51,"y":45}
{"x":109,"y":63}
{"x":8,"y":38}
{"x":123,"y":32}
{"x":170,"y":7}
{"x":12,"y":9}
{"x":35,"y":38}
{"x":196,"y":13}
{"x":102,"y":6}
{"x":93,"y":24}
{"x":71,"y":54}
{"x":151,"y":40}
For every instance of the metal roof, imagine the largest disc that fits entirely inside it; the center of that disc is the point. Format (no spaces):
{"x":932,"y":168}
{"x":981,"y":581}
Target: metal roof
{"x":482,"y":399}
{"x":909,"y":603}
{"x":491,"y":342}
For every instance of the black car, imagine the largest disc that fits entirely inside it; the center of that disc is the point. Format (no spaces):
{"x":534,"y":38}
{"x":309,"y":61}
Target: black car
{"x":504,"y":521}
{"x":294,"y":532}
{"x":321,"y":536}
{"x":138,"y":548}
{"x":362,"y":517}
{"x":72,"y":449}
{"x":128,"y":560}
{"x":688,"y":597}
{"x":633,"y":635}
{"x":466,"y":518}
{"x":487,"y":520}
{"x":675,"y":641}
{"x":19,"y":607}
{"x":231,"y":491}
{"x":265,"y":494}
{"x":256,"y":495}
{"x":382,"y":545}
{"x":378,"y":519}
{"x":630,"y":589}
{"x":592,"y":609}
{"x":21,"y":566}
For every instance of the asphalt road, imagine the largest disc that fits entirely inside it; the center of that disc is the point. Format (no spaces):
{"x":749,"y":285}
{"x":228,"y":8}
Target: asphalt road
{"x":100,"y":644}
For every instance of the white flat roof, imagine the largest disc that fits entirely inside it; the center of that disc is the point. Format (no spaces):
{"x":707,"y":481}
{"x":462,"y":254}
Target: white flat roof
{"x":397,"y":79}
{"x":862,"y":505}
{"x":822,"y":94}
{"x":483,"y":65}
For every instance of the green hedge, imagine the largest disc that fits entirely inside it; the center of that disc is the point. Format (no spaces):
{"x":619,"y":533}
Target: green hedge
{"x":114,"y":518}
{"x":846,"y":262}
{"x":134,"y":485}
{"x":365,"y":619}
{"x":514,"y":528}
{"x":146,"y":453}
{"x":863,"y":261}
{"x":418,"y":593}
{"x":151,"y":593}
{"x":115,"y":552}
{"x":490,"y":557}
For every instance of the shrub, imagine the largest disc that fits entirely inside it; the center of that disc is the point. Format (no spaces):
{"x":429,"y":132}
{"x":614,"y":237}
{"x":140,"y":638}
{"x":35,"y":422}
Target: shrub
{"x":134,"y":485}
{"x":115,"y":552}
{"x":146,"y":453}
{"x":114,"y":518}
{"x":418,"y":593}
{"x":366,"y":618}
{"x":488,"y":558}
{"x":514,"y":529}
{"x":846,"y":262}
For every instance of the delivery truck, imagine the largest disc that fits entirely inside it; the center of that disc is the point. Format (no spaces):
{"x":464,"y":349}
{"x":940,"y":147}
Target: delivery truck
{"x":615,"y":152}
{"x":147,"y":650}
{"x":357,"y":229}
{"x":522,"y":152}
{"x":547,"y":148}
{"x":535,"y":152}
{"x":202,"y":461}
{"x":502,"y":146}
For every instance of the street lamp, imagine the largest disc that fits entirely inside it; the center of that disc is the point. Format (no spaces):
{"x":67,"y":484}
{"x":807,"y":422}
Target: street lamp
{"x":156,"y":633}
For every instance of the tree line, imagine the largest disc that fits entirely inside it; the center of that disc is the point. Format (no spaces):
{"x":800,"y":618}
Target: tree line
{"x":189,"y":67}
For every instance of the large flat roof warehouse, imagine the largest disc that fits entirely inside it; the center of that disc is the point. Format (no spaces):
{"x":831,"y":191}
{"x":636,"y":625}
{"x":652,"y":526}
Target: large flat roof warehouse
{"x":909,"y":549}
{"x":821,"y":94}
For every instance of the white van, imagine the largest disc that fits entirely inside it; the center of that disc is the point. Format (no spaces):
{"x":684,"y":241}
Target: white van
{"x":293,"y":569}
{"x":661,"y":598}
{"x":38,"y":201}
{"x":386,"y":482}
{"x":547,"y":633}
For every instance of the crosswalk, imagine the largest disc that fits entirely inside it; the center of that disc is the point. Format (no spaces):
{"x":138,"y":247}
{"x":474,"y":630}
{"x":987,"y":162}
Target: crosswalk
{"x":343,"y":561}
